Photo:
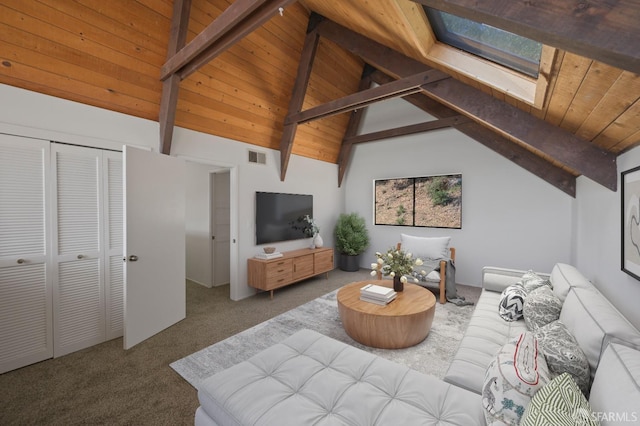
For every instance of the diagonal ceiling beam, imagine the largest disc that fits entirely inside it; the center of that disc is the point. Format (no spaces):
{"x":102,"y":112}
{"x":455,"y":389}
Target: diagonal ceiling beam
{"x":521,"y":156}
{"x":411,"y":129}
{"x":299,"y":89}
{"x":606,"y":31}
{"x":563,"y":146}
{"x":237,"y":33}
{"x":171,"y":86}
{"x":353,"y":126}
{"x":398,"y":88}
{"x":238,"y":20}
{"x":233,"y":16}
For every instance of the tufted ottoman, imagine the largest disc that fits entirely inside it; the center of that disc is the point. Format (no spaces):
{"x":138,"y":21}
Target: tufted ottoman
{"x":311,"y":379}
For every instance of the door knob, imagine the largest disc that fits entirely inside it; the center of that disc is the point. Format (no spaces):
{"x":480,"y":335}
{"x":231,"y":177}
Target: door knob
{"x":133,"y":258}
{"x":20,"y":261}
{"x":80,"y":256}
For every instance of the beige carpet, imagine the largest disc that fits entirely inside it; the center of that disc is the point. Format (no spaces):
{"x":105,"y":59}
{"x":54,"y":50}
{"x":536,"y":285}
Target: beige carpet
{"x":106,"y":385}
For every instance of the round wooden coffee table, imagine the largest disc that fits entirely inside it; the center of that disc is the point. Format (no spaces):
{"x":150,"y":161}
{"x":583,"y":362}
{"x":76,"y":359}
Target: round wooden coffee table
{"x":404,"y":322}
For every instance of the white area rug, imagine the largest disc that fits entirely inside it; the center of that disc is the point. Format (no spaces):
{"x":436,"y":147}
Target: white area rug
{"x":432,"y":356}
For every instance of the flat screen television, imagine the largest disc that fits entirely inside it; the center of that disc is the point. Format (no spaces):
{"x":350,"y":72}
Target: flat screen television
{"x":278,"y":214}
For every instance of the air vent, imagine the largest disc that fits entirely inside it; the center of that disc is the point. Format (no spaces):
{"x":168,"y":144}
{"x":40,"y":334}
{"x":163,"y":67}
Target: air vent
{"x":257,"y":157}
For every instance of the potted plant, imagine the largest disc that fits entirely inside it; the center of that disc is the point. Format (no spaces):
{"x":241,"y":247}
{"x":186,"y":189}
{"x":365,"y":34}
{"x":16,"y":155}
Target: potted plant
{"x":352,"y":239}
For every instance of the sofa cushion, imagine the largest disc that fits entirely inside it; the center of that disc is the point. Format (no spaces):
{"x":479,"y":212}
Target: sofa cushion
{"x":497,"y":279}
{"x":512,"y":302}
{"x":563,"y":354}
{"x":541,"y":307}
{"x":483,"y":338}
{"x":615,"y":393}
{"x":512,"y":378}
{"x":559,"y":403}
{"x":309,"y":378}
{"x":426,"y":247}
{"x":531,"y":281}
{"x":564,"y":277}
{"x":593,"y":321}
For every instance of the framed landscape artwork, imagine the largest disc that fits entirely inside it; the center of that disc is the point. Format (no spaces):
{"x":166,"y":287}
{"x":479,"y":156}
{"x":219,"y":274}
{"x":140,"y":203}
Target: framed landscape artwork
{"x":630,"y":220}
{"x":427,"y":201}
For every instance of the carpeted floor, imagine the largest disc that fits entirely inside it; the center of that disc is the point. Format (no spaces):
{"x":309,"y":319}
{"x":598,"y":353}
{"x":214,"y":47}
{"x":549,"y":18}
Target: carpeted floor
{"x":106,"y":385}
{"x":431,"y":356}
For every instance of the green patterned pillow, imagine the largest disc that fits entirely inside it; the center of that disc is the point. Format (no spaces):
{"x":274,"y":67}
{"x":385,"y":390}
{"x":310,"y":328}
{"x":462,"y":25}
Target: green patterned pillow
{"x":560,"y":402}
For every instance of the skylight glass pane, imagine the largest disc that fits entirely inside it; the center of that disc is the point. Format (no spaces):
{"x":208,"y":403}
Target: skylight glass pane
{"x":494,"y":44}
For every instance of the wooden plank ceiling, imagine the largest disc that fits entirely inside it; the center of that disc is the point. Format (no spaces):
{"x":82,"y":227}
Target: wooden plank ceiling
{"x":111,"y":55}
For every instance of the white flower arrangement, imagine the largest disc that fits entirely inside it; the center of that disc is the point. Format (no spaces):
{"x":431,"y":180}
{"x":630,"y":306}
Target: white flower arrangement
{"x":395,"y":262}
{"x":310,"y":228}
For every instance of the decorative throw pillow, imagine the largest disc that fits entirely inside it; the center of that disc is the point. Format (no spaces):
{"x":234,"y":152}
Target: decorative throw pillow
{"x":563,"y":354}
{"x":541,"y":307}
{"x":426,"y":247}
{"x":531,"y":281}
{"x":559,"y":403}
{"x":512,"y":302}
{"x":511,"y":380}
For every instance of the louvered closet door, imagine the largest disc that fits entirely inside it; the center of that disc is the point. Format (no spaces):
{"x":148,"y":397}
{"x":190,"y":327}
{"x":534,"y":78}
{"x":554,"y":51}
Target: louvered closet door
{"x":78,"y":290}
{"x":114,"y":266}
{"x":25,"y":290}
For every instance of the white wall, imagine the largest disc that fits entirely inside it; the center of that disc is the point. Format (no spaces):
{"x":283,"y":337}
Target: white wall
{"x":304,"y":176}
{"x":198,"y":224}
{"x":26,"y":113}
{"x":598,"y":241}
{"x":32,"y":114}
{"x":510,"y":217}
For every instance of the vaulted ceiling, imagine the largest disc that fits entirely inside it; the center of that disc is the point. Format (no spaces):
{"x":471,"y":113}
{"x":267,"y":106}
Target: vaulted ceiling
{"x":261,"y":85}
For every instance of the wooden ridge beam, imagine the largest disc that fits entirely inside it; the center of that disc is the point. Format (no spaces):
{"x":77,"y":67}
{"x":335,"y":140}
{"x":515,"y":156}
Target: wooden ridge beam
{"x":565,"y":147}
{"x":606,"y":31}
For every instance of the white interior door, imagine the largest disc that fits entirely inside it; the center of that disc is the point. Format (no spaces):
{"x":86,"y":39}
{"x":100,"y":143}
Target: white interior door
{"x":221,"y":229}
{"x":154,"y":248}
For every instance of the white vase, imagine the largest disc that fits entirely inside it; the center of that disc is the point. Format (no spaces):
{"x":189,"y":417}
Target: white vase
{"x":317,"y":241}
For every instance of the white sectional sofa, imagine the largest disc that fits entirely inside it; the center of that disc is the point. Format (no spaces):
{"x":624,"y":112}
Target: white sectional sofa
{"x":310,"y":379}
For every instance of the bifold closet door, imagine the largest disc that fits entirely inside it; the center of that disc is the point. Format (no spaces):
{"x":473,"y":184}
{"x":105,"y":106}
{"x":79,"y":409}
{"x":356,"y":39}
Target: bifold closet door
{"x":114,"y":243}
{"x":26,"y":333}
{"x":78,"y":269}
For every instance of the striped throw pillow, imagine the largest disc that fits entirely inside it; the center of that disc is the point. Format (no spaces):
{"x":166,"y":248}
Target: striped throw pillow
{"x":559,"y":403}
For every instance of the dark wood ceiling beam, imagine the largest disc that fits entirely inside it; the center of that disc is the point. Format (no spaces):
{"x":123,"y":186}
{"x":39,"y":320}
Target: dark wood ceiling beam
{"x":171,"y":86}
{"x":554,"y":175}
{"x":409,"y":130}
{"x":232,"y":16}
{"x":563,"y":146}
{"x":235,"y":34}
{"x":299,"y":89}
{"x":353,"y":126}
{"x":606,"y":31}
{"x":578,"y":154}
{"x":397,"y":88}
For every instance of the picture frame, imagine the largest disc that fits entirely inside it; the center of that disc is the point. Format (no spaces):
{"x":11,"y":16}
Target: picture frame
{"x":630,"y":222}
{"x":433,"y":201}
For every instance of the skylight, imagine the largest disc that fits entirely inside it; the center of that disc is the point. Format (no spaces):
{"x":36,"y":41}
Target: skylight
{"x":505,"y":48}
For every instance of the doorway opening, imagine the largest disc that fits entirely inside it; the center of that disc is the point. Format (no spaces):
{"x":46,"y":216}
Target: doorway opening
{"x":211,"y":224}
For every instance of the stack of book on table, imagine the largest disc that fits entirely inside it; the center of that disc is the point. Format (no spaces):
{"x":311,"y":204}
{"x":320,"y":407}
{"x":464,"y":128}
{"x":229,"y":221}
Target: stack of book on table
{"x":377,"y":294}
